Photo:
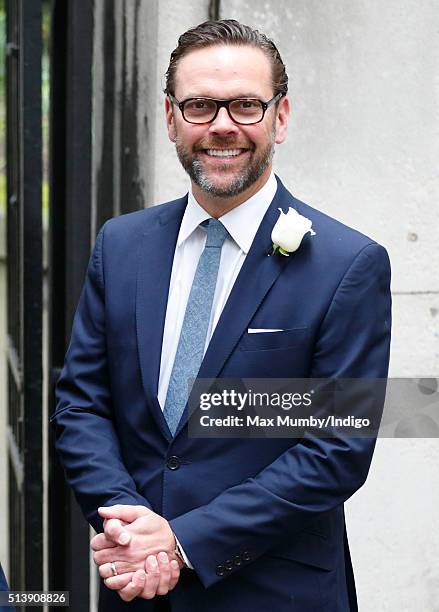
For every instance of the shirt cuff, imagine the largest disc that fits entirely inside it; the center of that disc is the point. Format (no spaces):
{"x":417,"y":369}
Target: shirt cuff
{"x":183,"y":554}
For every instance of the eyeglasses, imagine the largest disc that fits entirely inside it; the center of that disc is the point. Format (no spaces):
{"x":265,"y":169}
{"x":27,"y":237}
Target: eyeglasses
{"x":244,"y":111}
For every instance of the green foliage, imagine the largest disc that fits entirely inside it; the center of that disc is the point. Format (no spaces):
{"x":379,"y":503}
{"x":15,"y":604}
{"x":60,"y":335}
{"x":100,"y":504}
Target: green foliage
{"x":2,"y":108}
{"x":2,"y":193}
{"x":2,"y":46}
{"x":45,"y":92}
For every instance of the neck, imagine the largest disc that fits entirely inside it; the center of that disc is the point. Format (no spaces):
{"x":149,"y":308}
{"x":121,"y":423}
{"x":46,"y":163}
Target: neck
{"x":219,"y":206}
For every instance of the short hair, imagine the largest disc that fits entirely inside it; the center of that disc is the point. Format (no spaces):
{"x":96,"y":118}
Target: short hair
{"x":227,"y":32}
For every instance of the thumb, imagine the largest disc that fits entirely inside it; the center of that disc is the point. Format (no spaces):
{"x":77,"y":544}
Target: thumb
{"x":115,"y":532}
{"x":123,"y":512}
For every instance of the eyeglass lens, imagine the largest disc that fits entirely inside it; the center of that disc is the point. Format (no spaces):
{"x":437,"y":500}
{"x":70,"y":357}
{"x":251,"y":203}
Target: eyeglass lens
{"x":204,"y":110}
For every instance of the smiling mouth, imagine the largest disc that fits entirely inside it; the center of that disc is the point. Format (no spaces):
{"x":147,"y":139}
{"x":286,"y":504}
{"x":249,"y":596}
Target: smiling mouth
{"x":224,"y":152}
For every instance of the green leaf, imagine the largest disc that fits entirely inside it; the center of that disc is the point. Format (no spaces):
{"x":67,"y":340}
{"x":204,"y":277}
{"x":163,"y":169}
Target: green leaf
{"x":283,"y":252}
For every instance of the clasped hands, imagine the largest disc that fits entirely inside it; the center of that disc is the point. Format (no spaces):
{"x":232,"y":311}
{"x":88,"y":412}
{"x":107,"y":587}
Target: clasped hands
{"x":139,"y":545}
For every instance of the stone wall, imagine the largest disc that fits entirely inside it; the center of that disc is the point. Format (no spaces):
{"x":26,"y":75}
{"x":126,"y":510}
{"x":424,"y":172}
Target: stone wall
{"x":362,"y":147}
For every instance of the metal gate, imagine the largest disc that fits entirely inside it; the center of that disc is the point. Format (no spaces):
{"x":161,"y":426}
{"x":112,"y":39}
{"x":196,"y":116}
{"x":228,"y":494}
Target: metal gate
{"x":70,"y":239}
{"x":24,"y":288}
{"x":57,"y":557}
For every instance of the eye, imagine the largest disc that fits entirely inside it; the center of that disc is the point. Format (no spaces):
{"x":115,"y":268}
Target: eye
{"x":249,"y":104}
{"x":246,"y":106}
{"x":196,"y":106}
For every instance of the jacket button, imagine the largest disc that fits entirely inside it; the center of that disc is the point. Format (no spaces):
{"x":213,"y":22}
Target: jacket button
{"x":229,"y":564}
{"x":237,"y":560}
{"x":246,"y":555}
{"x":173,"y":463}
{"x":220,"y":570}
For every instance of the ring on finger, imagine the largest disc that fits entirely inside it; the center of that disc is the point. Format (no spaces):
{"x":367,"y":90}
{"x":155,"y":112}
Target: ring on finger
{"x":113,"y":568}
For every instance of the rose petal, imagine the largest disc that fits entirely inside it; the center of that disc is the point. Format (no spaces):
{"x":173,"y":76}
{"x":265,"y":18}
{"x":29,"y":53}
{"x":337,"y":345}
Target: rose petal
{"x":290,"y":229}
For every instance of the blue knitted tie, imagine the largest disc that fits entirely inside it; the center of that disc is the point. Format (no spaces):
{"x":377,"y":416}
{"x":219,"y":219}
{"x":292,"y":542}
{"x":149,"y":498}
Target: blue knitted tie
{"x":193,"y":334}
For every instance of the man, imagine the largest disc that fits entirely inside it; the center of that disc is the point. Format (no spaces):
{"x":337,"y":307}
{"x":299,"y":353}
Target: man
{"x":190,"y":288}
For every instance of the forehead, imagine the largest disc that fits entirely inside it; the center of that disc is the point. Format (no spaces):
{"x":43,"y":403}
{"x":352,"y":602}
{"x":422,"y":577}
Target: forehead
{"x":223,"y":71}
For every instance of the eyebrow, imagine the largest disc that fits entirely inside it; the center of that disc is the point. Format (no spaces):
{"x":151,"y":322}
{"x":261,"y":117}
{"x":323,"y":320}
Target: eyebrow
{"x":237,"y":97}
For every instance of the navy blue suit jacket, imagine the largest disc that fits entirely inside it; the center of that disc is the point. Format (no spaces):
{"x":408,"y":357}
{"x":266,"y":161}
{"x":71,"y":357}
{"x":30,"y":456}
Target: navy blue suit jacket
{"x":261,"y":520}
{"x":3,"y":583}
{"x":4,"y":587}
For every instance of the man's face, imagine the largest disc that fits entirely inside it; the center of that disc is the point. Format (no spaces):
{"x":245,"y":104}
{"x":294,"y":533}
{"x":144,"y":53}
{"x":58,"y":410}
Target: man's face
{"x":226,"y":72}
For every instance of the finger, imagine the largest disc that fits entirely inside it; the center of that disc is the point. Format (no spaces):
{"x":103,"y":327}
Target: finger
{"x":128,"y":554}
{"x":165,"y":573}
{"x":107,"y":555}
{"x":115,"y":532}
{"x":134,"y":587}
{"x":106,"y":571}
{"x":106,"y":521}
{"x":152,"y":577}
{"x":126,"y":513}
{"x":115,"y":583}
{"x":175,"y":574}
{"x":100,"y":541}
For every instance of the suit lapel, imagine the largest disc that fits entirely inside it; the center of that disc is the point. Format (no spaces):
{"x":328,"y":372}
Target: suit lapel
{"x":258,"y":273}
{"x":154,"y":273}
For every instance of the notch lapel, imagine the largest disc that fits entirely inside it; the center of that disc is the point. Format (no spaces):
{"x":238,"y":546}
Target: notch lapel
{"x":156,"y":255}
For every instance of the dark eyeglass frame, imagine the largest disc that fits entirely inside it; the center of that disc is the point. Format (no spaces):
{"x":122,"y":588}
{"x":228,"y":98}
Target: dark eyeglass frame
{"x":225,"y":104}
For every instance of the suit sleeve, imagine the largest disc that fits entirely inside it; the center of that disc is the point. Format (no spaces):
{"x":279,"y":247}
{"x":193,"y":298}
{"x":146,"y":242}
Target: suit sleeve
{"x":86,"y":440}
{"x":316,"y":475}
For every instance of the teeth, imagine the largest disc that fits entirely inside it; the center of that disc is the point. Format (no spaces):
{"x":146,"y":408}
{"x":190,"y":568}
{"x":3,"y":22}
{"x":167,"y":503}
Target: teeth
{"x":223,"y":152}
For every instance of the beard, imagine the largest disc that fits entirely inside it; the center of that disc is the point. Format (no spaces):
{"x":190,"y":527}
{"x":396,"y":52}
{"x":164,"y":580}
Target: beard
{"x":239,"y":181}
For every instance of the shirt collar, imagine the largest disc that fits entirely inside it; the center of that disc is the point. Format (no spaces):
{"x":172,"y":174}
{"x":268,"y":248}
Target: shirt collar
{"x":241,"y":222}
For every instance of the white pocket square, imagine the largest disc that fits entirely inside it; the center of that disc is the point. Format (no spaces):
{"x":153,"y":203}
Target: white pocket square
{"x":254,"y":330}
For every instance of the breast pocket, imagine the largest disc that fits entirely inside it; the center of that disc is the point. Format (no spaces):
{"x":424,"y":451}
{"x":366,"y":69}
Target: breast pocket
{"x":274,"y":340}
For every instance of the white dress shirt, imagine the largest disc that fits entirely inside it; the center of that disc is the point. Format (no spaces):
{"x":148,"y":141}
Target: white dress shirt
{"x":242,"y":224}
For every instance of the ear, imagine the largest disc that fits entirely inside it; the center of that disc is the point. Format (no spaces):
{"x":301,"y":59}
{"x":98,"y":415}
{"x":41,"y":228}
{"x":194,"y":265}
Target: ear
{"x":282,"y":117}
{"x":170,"y":119}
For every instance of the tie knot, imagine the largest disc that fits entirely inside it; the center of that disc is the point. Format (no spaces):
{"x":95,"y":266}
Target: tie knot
{"x":216,"y":233}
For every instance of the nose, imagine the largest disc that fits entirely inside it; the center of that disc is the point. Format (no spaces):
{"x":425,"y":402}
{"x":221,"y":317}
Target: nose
{"x":223,"y":124}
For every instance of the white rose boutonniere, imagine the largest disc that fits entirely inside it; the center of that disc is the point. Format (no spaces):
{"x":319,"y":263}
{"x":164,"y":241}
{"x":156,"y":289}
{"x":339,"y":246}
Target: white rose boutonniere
{"x":289,"y":231}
